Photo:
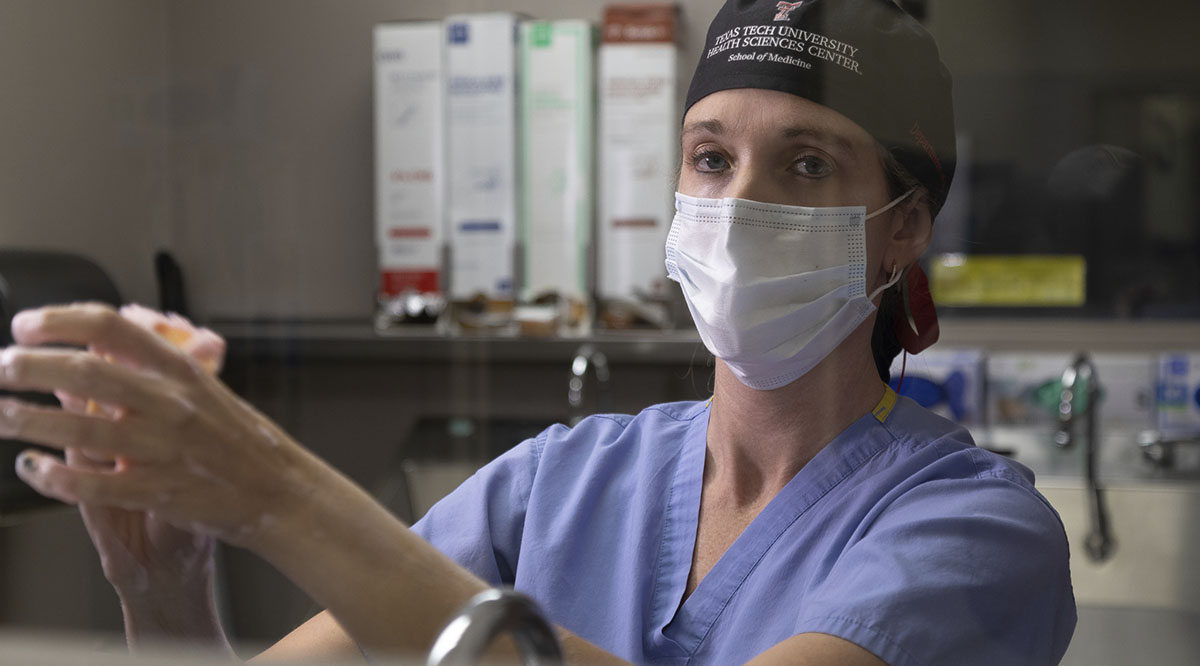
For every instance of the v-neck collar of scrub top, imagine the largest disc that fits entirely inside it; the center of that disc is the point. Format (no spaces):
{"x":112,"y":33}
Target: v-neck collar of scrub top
{"x":686,"y":625}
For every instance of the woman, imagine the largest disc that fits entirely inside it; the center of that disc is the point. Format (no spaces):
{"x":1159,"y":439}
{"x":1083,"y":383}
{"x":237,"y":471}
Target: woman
{"x":804,"y":515}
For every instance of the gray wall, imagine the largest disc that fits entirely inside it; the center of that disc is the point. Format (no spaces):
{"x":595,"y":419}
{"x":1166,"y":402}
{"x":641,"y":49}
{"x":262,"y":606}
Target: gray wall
{"x":84,"y":132}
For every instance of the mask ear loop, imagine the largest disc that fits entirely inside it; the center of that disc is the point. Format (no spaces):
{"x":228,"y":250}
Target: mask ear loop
{"x":892,"y":280}
{"x":895,"y":277}
{"x":891,"y":204}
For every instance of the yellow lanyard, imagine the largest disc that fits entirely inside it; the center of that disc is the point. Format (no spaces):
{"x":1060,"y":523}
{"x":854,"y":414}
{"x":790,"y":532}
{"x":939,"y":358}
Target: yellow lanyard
{"x":886,"y":403}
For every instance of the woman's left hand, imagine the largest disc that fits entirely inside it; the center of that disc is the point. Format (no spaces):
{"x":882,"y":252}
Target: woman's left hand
{"x":184,"y":446}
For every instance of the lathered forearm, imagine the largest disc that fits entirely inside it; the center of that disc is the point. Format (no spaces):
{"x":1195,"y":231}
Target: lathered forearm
{"x":388,"y":588}
{"x":179,"y":617}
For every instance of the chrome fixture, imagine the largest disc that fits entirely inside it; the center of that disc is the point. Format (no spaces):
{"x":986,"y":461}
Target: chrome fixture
{"x":1081,"y":376}
{"x":1160,"y":449}
{"x":486,"y":616}
{"x":587,"y":356}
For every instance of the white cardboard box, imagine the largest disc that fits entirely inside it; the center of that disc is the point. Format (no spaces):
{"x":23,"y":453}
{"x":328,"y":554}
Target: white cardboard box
{"x":481,"y":136}
{"x":1178,"y":394}
{"x":638,"y":151}
{"x":556,"y":156}
{"x":408,"y":157}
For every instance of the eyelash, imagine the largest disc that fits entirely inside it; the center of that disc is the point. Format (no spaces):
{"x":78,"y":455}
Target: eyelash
{"x":696,"y":158}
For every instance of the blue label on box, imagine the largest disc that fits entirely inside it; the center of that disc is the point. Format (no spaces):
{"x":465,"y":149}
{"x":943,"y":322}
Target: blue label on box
{"x":470,"y":226}
{"x":1178,"y":393}
{"x":1172,"y":395}
{"x":458,"y":33}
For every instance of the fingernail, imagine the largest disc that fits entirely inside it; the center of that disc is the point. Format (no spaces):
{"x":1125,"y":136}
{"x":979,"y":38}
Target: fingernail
{"x":27,"y":462}
{"x":26,"y":319}
{"x":6,"y":355}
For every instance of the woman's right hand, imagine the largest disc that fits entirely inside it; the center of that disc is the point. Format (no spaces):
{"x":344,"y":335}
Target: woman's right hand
{"x":189,"y":452}
{"x":160,"y":572}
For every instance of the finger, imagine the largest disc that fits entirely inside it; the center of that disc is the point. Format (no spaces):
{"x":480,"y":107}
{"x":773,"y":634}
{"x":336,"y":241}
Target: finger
{"x":208,"y":349}
{"x":77,"y":457}
{"x":98,"y":325}
{"x":61,"y":429}
{"x":85,"y":375}
{"x":79,"y":405}
{"x":141,"y":315}
{"x":201,"y":344}
{"x":53,"y":478}
{"x":71,"y":403}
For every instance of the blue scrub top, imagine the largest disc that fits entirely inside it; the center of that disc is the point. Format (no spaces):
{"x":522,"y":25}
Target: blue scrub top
{"x":900,"y":536}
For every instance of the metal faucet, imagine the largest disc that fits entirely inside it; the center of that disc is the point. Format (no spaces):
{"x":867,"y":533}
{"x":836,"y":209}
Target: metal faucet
{"x":1159,"y":448}
{"x":587,"y":356}
{"x":486,"y":616}
{"x":1099,"y":542}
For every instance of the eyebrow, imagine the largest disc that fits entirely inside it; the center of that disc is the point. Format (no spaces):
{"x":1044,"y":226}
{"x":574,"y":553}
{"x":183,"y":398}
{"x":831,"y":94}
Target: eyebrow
{"x":710,"y":126}
{"x":821,"y":135}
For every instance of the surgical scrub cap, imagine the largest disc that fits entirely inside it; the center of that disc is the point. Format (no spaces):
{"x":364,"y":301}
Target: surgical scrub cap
{"x":866,"y":59}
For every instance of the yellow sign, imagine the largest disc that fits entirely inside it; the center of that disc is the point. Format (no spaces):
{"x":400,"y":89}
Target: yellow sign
{"x":962,"y":280}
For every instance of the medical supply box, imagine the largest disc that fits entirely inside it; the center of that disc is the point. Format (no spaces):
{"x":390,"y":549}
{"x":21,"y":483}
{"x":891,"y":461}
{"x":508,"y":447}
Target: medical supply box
{"x":481,"y":157}
{"x":409,"y":171}
{"x":557,"y":108}
{"x":638,"y":153}
{"x":1178,"y":394}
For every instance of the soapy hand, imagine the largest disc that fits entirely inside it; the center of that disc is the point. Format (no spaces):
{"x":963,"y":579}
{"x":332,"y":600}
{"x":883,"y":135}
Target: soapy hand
{"x":139,"y":551}
{"x":201,"y":344}
{"x":182,"y":446}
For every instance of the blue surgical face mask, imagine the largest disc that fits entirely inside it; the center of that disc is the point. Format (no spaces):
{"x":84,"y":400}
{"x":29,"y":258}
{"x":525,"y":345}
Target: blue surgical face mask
{"x":773,"y":289}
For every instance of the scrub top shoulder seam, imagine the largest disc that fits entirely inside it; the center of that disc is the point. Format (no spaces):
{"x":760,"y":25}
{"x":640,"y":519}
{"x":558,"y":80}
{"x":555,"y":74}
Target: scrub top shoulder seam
{"x":693,"y":411}
{"x":536,"y":452}
{"x":1008,"y":476}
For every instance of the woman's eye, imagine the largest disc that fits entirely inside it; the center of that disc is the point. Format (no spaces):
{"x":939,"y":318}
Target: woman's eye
{"x":709,"y":162}
{"x":813,"y":166}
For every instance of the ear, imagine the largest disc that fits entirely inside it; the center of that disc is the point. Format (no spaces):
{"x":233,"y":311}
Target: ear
{"x":911,"y":230}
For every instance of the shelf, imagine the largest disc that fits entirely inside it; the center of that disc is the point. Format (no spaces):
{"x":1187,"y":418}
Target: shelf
{"x":360,"y":341}
{"x":350,"y":340}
